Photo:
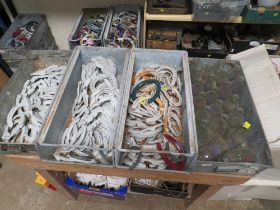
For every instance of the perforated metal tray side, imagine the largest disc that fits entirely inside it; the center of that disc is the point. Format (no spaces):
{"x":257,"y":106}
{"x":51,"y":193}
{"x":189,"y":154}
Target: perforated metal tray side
{"x":257,"y":134}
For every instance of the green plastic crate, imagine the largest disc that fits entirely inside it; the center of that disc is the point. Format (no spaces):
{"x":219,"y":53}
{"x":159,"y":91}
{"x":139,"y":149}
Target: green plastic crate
{"x":252,"y":14}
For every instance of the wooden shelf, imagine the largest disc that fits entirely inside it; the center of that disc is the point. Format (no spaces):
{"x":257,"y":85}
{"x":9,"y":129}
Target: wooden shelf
{"x":33,"y":161}
{"x":186,"y":18}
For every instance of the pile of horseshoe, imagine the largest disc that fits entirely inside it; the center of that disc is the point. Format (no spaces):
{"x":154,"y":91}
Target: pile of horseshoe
{"x":90,"y":32}
{"x":89,"y":135}
{"x":100,"y":181}
{"x":25,"y":119}
{"x":123,"y":32}
{"x":22,"y":35}
{"x":153,"y":123}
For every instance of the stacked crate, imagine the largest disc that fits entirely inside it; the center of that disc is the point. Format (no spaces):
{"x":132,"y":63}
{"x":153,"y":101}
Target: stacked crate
{"x":42,"y":38}
{"x":74,"y":39}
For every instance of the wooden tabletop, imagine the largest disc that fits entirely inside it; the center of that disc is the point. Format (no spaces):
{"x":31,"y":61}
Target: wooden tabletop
{"x":34,"y":162}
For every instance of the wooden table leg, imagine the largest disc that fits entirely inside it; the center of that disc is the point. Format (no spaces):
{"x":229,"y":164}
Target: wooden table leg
{"x":201,"y":193}
{"x":144,"y":26}
{"x":57,"y":178}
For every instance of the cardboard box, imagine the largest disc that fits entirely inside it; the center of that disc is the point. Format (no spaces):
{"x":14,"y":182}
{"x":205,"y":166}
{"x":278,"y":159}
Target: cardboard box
{"x":162,"y":34}
{"x":155,"y":44}
{"x":169,"y":45}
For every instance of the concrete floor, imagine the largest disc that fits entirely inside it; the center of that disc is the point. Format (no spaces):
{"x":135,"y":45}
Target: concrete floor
{"x":18,"y":191}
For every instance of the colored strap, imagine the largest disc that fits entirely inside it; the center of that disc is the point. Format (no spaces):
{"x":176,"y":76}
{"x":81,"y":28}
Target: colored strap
{"x":179,"y":148}
{"x":147,"y":82}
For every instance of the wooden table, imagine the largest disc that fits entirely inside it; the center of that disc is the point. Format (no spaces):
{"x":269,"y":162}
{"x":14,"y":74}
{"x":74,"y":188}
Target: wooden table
{"x":208,"y":183}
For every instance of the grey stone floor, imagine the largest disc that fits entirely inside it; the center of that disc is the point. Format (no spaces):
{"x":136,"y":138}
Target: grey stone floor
{"x":19,"y":192}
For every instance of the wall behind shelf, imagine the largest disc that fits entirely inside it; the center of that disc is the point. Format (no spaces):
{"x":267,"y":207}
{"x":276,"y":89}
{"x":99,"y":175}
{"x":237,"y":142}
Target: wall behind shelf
{"x":62,"y":14}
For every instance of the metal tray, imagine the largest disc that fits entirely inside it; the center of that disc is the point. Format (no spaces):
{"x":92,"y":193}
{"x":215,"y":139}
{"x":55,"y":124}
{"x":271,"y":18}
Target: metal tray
{"x":48,"y":44}
{"x":13,"y":57}
{"x":47,"y":41}
{"x":52,"y":131}
{"x":118,"y":9}
{"x":52,"y":45}
{"x":20,"y":20}
{"x":82,"y":18}
{"x":255,"y":138}
{"x":34,"y":61}
{"x":141,"y":58}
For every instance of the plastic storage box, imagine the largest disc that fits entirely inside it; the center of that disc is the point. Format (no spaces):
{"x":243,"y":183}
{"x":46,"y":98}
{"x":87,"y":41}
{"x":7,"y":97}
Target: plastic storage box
{"x":42,"y":38}
{"x":255,"y":14}
{"x":217,"y":10}
{"x":118,"y":194}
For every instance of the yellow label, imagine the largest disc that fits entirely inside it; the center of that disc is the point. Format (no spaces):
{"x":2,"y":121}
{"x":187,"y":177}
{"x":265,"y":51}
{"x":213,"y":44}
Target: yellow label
{"x":276,"y":14}
{"x":165,"y":88}
{"x":247,"y":125}
{"x":206,"y":13}
{"x":208,"y":55}
{"x":142,"y":98}
{"x":162,"y":10}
